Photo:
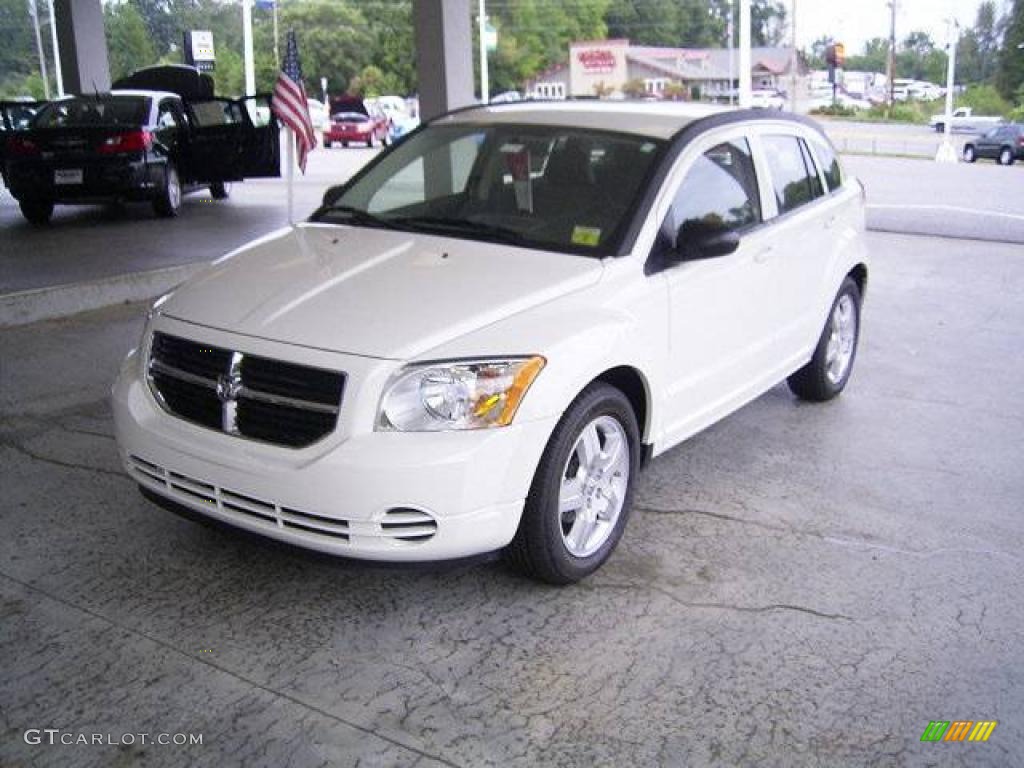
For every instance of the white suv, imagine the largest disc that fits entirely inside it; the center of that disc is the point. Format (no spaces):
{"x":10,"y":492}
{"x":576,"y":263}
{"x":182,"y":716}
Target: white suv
{"x":479,"y":339}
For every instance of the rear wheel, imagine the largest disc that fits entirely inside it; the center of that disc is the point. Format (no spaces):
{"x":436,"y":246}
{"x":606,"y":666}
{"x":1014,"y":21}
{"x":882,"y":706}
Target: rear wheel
{"x":969,"y":154}
{"x":168,"y":202}
{"x":826,"y":374}
{"x":1006,"y":156}
{"x":940,"y":127}
{"x":219,"y":190}
{"x":581,"y":495}
{"x":38,"y":212}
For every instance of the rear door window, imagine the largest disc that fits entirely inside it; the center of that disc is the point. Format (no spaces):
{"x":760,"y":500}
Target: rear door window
{"x":794,"y":183}
{"x":829,"y":163}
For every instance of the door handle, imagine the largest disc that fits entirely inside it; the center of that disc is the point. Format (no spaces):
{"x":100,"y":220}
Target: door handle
{"x":763,"y":255}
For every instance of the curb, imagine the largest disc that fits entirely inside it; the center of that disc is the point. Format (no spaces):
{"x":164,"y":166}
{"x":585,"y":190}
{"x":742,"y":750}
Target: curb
{"x":23,"y":307}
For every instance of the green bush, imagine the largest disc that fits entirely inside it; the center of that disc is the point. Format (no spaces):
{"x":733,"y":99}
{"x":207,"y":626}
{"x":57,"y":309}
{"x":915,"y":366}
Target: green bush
{"x":836,"y":110}
{"x":910,"y":112}
{"x":984,"y":100}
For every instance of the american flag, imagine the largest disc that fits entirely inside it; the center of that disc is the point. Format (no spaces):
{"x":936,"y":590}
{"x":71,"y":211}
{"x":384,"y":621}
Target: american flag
{"x":289,"y":101}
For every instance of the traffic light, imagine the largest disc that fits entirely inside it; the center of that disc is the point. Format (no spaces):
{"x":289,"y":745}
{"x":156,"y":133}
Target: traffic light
{"x":835,"y":55}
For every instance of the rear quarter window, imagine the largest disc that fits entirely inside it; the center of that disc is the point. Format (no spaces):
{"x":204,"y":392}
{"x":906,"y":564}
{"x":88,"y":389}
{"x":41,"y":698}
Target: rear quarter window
{"x":829,"y":163}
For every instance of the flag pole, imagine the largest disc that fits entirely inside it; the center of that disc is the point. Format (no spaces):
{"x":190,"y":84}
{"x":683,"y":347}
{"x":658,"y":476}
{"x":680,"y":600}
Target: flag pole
{"x":290,"y":161}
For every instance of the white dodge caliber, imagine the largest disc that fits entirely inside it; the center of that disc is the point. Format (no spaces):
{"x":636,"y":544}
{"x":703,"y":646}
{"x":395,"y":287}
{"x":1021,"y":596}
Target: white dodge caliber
{"x":476,"y":342}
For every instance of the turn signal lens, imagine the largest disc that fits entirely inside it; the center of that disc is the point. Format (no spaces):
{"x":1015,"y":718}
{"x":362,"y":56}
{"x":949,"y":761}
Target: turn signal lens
{"x":128,"y":141}
{"x":21,"y":147}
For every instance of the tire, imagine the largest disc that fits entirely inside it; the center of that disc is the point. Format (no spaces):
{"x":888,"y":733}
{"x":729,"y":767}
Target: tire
{"x":826,"y":375}
{"x":327,"y":143}
{"x":220,"y":191}
{"x":1006,"y":156}
{"x":940,"y":127}
{"x":563,"y":547}
{"x":969,"y":154}
{"x":37,"y":212}
{"x":168,"y":202}
{"x":344,"y":144}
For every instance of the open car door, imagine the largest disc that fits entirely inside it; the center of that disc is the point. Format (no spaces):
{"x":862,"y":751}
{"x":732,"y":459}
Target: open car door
{"x":14,"y":116}
{"x":231,"y":140}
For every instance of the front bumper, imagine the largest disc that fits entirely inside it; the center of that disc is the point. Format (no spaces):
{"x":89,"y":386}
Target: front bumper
{"x":374,"y":495}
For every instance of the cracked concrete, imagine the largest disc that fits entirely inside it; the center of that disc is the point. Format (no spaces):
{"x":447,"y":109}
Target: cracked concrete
{"x":799,"y":585}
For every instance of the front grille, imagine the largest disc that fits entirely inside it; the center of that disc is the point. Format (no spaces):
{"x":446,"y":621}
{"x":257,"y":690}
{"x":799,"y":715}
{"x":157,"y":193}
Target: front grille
{"x":409,"y":525}
{"x":183,"y":488}
{"x":255,"y":397}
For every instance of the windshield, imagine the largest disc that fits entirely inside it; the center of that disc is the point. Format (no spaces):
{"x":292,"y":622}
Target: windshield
{"x":350,"y":117}
{"x":555,"y":188}
{"x":92,"y":110}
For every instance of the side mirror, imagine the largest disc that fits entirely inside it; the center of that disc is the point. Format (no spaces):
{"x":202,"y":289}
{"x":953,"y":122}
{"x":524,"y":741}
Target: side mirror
{"x":332,"y":194}
{"x":698,"y":240}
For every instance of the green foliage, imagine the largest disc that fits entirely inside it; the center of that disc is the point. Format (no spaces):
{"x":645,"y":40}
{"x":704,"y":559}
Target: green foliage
{"x":128,"y":42}
{"x":634,"y":89}
{"x":836,"y":110}
{"x":984,"y":100}
{"x":1010,"y":72}
{"x":910,"y":112}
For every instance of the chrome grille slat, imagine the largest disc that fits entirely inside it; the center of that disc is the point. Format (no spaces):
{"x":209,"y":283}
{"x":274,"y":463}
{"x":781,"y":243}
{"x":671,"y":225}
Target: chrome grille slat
{"x":273,"y":401}
{"x":233,"y":503}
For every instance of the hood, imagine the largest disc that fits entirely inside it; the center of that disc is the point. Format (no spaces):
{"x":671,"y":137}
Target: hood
{"x":373,"y":292}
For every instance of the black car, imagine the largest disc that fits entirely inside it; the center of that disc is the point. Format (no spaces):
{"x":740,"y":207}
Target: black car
{"x":1004,"y":144}
{"x":155,"y":135}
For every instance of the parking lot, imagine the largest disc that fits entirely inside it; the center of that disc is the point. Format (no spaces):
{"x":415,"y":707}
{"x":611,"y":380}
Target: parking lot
{"x":800,"y":584}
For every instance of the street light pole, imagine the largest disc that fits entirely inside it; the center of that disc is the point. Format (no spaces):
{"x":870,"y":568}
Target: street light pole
{"x":745,"y":84}
{"x":731,"y":29}
{"x":947,"y":153}
{"x":56,"y":51}
{"x":485,"y":85}
{"x":39,"y":48}
{"x":890,"y":68}
{"x":794,"y":65}
{"x":250,"y":69}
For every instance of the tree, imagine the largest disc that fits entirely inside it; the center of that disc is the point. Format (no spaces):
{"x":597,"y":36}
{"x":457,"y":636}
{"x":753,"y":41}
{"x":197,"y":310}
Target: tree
{"x":1010,"y":71}
{"x":987,"y":35}
{"x":634,"y":89}
{"x":128,"y":42}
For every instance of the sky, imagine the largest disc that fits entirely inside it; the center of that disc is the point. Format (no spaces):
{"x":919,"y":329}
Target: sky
{"x":852,"y":22}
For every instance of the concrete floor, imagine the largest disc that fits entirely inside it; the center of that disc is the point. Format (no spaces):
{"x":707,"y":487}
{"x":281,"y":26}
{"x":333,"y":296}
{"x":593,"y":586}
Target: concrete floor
{"x":799,"y":585}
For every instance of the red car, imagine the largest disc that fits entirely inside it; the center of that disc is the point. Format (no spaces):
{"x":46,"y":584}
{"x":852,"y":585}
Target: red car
{"x":352,"y":121}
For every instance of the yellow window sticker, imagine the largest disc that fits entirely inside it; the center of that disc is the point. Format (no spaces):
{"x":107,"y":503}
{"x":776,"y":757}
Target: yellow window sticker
{"x":586,"y":235}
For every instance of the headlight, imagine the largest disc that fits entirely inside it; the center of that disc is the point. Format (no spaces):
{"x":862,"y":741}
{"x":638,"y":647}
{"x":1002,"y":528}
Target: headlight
{"x":460,"y":394}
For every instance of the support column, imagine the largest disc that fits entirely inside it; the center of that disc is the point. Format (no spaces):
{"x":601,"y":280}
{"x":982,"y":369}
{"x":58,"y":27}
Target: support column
{"x":444,"y":55}
{"x":82,"y":45}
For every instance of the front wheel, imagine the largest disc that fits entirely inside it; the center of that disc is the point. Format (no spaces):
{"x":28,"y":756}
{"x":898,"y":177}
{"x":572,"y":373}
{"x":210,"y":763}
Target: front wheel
{"x":581,"y":495}
{"x":168,"y":202}
{"x":38,"y":212}
{"x":969,"y":154}
{"x":940,"y":127}
{"x":1006,"y":156}
{"x":826,"y":374}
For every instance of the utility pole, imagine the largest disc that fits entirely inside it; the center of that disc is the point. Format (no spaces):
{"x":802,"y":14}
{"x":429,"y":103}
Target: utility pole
{"x":731,"y":29}
{"x":890,"y":69}
{"x":39,"y":47}
{"x":794,"y":66}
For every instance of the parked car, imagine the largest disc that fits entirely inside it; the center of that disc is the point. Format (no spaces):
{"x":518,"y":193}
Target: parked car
{"x":466,"y":349}
{"x":353,"y":120}
{"x":767,"y":99}
{"x":400,"y":121}
{"x":318,"y":114}
{"x":963,"y":119}
{"x":1004,"y":144}
{"x":135,"y":144}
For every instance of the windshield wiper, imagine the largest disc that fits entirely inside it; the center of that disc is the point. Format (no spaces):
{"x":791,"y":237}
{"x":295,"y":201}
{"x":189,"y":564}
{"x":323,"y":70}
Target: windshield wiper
{"x":462,"y":226}
{"x":355,"y":216}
